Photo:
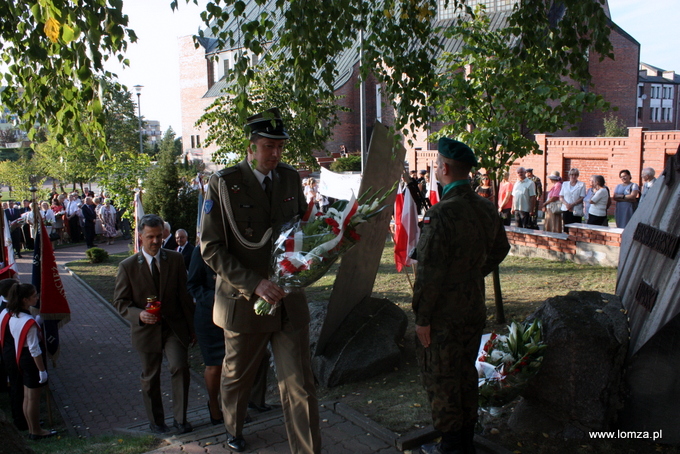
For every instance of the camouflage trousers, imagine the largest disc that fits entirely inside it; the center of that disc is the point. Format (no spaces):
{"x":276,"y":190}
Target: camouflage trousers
{"x":449,"y":377}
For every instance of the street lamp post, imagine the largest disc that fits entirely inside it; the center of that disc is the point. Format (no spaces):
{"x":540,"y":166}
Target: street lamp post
{"x":138,"y":89}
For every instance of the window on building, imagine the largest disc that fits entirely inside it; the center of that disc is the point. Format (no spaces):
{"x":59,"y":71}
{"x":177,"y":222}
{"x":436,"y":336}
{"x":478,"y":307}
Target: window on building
{"x":641,"y":90}
{"x":226,"y":66}
{"x":198,"y":141}
{"x":211,"y":72}
{"x":639,"y":113}
{"x":663,"y":114}
{"x":192,"y":142}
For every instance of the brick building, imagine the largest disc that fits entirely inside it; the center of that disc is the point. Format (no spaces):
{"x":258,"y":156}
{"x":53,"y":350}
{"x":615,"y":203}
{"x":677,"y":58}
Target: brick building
{"x":658,"y":99}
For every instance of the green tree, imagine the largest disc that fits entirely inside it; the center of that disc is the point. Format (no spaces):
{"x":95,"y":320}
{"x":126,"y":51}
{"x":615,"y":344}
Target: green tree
{"x":163,"y":183}
{"x":504,"y":93}
{"x":400,"y":45}
{"x":497,"y":91}
{"x":119,"y":176}
{"x":121,"y":125}
{"x":614,"y":126}
{"x":21,"y":174}
{"x":268,"y":89}
{"x":53,"y":49}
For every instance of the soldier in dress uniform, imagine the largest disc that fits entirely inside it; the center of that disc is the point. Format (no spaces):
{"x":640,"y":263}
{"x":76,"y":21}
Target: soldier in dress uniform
{"x":245,"y":206}
{"x":462,"y":240}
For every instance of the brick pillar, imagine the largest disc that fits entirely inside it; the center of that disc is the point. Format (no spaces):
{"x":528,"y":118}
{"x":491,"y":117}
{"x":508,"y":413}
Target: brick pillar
{"x":635,"y":146}
{"x":542,"y":173}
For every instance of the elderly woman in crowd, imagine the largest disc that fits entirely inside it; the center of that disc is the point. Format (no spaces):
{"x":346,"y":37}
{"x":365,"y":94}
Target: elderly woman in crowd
{"x":626,"y":198}
{"x":552,"y":205}
{"x":107,"y":216}
{"x":597,"y":209}
{"x":571,"y":196}
{"x":505,"y":198}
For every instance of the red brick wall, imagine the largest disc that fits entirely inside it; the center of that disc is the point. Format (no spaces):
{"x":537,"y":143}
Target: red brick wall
{"x":605,"y":156}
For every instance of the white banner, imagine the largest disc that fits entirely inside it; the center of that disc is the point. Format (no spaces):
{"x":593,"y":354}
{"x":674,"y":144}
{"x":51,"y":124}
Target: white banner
{"x":339,"y":185}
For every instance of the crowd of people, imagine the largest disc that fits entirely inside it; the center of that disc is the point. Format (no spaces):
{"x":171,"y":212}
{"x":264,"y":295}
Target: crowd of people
{"x":565,"y":202}
{"x":68,"y":218}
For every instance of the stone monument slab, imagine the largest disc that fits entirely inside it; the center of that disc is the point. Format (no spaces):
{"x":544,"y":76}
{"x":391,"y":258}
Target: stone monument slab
{"x":648,"y":284}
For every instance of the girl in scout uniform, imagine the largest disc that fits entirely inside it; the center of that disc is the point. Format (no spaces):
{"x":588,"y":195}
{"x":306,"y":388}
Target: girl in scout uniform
{"x":27,"y":335}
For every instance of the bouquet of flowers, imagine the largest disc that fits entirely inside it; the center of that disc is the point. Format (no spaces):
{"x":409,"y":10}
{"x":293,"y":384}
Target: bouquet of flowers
{"x":506,"y":363}
{"x":306,"y":248}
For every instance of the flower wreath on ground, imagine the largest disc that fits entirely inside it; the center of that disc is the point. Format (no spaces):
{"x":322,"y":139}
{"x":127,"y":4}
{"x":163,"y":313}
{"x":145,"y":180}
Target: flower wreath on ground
{"x":506,"y":363}
{"x":306,"y":248}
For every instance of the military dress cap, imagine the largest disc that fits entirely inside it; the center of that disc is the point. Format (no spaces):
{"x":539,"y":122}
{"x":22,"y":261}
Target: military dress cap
{"x":457,"y":151}
{"x":268,"y":124}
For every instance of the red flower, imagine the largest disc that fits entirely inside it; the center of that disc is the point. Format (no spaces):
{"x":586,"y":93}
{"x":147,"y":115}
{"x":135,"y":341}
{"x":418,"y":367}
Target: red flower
{"x":354,"y":235}
{"x":333,"y":223}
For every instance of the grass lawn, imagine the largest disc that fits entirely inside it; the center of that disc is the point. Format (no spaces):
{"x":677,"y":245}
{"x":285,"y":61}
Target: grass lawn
{"x":397,"y":400}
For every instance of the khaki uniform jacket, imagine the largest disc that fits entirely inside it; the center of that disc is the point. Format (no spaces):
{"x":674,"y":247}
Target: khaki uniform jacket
{"x":462,"y":240}
{"x":134,"y":284}
{"x":241,"y":267}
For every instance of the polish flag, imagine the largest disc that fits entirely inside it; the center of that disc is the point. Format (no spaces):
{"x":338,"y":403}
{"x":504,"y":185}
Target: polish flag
{"x":406,"y":230}
{"x":432,"y":187}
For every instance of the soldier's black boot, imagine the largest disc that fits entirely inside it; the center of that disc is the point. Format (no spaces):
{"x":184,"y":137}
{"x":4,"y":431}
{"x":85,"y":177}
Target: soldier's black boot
{"x":452,"y":443}
{"x":469,"y":440}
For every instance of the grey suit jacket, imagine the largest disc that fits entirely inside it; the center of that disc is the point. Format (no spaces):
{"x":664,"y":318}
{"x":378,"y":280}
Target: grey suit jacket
{"x":240,"y":269}
{"x":134,"y":284}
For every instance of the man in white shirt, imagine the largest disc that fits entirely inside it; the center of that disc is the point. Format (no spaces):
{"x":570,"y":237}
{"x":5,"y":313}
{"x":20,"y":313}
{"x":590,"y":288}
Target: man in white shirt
{"x":648,"y":180}
{"x":523,"y":199}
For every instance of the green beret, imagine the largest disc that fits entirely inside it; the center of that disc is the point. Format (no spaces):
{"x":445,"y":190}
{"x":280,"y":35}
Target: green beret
{"x":457,"y":151}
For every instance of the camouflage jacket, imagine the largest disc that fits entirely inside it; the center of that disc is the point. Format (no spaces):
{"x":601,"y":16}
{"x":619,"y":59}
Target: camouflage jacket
{"x":462,"y":240}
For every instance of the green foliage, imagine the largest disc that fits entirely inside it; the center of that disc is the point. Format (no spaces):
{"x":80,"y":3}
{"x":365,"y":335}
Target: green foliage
{"x":52,"y":51}
{"x":614,"y":126}
{"x":400,"y":45}
{"x":506,"y":89}
{"x":309,"y":130}
{"x":23,"y":173}
{"x":187,"y":199}
{"x":163,"y":184}
{"x":97,"y":255}
{"x":348,"y":164}
{"x":119,"y":175}
{"x":121,"y":125}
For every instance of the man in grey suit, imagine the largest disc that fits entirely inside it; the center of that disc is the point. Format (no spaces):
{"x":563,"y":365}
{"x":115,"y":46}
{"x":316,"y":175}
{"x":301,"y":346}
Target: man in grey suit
{"x":243,"y":206}
{"x":156,"y":272}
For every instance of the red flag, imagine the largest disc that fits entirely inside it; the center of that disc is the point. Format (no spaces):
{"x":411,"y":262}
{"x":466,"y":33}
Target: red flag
{"x":53,"y":303}
{"x":432,"y":186}
{"x":406,"y":230}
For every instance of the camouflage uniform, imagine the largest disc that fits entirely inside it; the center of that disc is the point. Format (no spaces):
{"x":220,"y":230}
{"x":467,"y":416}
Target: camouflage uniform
{"x":462,"y":240}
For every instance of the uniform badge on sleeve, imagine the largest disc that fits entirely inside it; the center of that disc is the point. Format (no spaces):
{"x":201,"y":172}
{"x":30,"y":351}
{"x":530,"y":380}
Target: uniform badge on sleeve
{"x":207,"y":206}
{"x":426,"y":220}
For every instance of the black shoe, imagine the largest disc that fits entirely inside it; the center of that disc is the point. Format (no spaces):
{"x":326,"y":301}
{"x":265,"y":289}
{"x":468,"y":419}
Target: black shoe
{"x":261,"y":408}
{"x":214,"y":422}
{"x":159,"y":429}
{"x":182,"y":428}
{"x":52,"y":433}
{"x":237,"y":444}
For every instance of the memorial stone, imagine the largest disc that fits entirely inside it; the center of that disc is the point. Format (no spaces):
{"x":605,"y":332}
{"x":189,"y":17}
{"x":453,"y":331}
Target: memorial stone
{"x":648,"y":284}
{"x":360,"y":326}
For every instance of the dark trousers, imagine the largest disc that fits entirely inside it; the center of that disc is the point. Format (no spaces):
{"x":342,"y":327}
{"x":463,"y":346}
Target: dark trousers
{"x":523,"y":219}
{"x":597,"y":220}
{"x":569,"y":218}
{"x":506,"y":216}
{"x":17,"y":238}
{"x":74,"y":228}
{"x":89,"y":233}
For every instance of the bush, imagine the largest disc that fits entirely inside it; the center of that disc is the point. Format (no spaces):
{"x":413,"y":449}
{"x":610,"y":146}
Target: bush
{"x":348,"y":164}
{"x":97,"y":255}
